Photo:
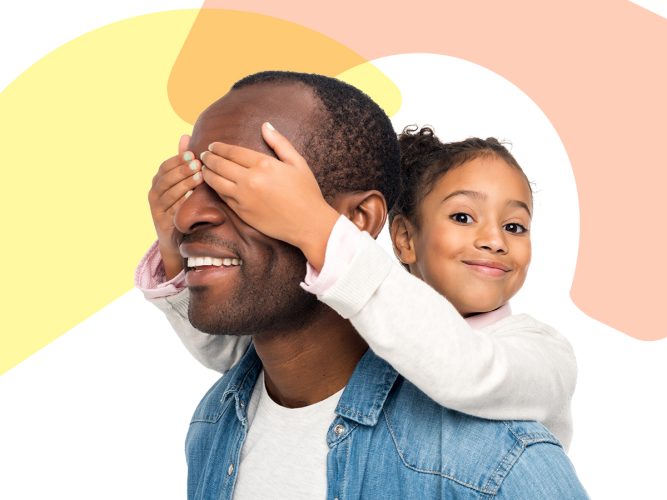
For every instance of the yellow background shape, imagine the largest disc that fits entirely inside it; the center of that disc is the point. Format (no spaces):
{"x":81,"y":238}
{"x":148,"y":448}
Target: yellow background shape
{"x":84,"y":131}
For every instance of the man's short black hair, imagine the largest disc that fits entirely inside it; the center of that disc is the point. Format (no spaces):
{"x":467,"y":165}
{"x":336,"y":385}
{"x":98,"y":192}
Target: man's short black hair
{"x":352,"y":145}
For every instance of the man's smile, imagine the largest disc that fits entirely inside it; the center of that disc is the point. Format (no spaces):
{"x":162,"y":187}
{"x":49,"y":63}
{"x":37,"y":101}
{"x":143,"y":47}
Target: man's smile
{"x":208,"y":274}
{"x":205,"y":264}
{"x":197,"y":262}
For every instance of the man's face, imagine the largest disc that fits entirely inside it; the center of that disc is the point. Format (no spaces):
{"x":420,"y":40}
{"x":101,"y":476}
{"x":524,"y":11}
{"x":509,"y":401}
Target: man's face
{"x":262,"y":293}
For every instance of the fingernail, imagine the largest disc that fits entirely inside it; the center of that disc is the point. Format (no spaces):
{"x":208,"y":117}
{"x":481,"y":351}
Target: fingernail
{"x":187,"y":195}
{"x":269,"y":126}
{"x":202,"y":154}
{"x":210,"y":146}
{"x":197,"y":176}
{"x":193,"y":165}
{"x":188,"y":156}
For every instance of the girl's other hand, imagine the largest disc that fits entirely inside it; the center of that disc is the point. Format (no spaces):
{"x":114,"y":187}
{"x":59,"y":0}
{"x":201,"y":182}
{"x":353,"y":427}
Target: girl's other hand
{"x":173,"y":183}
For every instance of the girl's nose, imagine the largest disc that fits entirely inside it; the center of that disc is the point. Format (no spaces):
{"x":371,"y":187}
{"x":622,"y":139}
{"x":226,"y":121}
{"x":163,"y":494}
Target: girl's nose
{"x":491,"y":239}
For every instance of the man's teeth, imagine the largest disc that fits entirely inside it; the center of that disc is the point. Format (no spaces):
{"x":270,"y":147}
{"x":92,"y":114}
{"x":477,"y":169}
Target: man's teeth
{"x":212,"y":261}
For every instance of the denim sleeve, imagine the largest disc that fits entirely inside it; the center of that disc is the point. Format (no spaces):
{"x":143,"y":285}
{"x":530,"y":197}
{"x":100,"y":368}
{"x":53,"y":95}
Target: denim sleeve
{"x":542,"y":471}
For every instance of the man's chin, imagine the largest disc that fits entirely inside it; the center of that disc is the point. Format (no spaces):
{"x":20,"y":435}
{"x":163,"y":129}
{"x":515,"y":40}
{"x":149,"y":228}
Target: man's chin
{"x":213,"y":322}
{"x":208,"y":315}
{"x":235,"y":321}
{"x":216,"y":318}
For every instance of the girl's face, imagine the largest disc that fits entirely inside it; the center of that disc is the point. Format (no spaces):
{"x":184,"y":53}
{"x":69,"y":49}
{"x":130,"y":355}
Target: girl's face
{"x":473,"y":244}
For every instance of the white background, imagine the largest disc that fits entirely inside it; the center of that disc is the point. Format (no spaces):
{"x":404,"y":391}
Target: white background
{"x":102,"y":412}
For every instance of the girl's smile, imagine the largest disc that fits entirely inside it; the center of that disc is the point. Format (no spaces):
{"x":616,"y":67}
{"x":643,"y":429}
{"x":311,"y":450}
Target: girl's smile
{"x":488,"y":268}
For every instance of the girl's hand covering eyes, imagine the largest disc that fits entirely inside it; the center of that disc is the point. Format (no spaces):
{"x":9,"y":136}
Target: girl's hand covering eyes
{"x":279,"y":197}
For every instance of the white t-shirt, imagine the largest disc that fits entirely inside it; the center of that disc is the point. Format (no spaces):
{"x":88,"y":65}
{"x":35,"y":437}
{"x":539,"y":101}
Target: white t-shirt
{"x":285,"y":452}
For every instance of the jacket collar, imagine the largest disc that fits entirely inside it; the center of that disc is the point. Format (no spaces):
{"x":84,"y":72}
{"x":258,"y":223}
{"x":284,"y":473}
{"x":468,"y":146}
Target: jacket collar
{"x":367,"y":390}
{"x":362,"y":400}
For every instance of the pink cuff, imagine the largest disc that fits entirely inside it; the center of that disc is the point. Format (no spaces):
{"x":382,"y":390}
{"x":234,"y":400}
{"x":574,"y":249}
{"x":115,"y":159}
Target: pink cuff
{"x":150,"y":277}
{"x":341,"y":247}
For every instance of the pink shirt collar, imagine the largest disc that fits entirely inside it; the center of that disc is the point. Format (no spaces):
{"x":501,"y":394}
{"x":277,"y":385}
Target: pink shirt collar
{"x":485,"y":319}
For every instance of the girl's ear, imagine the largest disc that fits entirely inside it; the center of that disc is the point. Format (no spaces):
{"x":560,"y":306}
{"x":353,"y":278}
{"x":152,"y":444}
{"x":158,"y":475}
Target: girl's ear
{"x":402,"y":232}
{"x":366,"y":209}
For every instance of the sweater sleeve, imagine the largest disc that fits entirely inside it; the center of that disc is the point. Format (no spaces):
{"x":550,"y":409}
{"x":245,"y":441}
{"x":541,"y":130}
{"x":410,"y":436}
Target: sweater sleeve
{"x":218,"y":352}
{"x":516,"y":369}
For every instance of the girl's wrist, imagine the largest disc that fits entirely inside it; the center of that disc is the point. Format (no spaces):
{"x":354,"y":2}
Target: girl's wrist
{"x":313,"y":242}
{"x":172,"y":263}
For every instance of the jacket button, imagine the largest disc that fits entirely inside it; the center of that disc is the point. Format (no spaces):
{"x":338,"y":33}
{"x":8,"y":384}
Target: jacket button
{"x":230,"y":470}
{"x":339,"y":429}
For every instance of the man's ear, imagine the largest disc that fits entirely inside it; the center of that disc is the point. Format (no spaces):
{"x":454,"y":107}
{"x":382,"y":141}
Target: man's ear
{"x":366,"y":209}
{"x":402,"y":232}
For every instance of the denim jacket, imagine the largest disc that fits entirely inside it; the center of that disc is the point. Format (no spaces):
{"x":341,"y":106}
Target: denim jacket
{"x":387,"y":441}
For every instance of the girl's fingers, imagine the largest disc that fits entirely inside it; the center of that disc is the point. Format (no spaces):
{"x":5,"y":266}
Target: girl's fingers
{"x":247,"y":158}
{"x":228,"y":169}
{"x":281,"y":146}
{"x":183,"y":144}
{"x":225,"y":188}
{"x":169,"y":179}
{"x":243,"y":157}
{"x":179,"y":191}
{"x":172,"y":209}
{"x":174,"y":162}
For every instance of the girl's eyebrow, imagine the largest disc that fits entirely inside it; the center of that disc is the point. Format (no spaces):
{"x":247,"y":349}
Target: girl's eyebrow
{"x":519,"y":204}
{"x":481,"y":196}
{"x":465,"y":192}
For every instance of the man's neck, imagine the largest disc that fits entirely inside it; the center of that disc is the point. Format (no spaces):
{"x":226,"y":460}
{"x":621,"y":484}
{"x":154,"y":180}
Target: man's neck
{"x":304,"y":367}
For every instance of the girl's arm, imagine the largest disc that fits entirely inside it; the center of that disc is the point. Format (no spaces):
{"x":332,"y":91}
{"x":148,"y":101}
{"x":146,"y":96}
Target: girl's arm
{"x":218,"y":352}
{"x":517,"y":368}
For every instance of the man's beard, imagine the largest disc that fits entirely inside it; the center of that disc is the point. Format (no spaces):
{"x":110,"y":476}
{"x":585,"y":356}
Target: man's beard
{"x":268,"y":302}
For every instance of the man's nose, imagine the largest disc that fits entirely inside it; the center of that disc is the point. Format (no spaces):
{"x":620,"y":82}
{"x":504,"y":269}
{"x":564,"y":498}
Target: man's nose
{"x":202,"y":208}
{"x":491,"y":237}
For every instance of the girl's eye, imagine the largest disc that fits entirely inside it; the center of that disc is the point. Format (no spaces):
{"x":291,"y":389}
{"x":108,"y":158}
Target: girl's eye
{"x":513,"y":227}
{"x":461,"y":218}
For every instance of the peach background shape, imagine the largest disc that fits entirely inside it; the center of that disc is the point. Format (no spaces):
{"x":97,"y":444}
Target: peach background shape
{"x":596,"y":70}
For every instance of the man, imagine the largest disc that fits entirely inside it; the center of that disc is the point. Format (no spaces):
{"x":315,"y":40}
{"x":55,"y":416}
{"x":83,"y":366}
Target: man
{"x":309,"y":411}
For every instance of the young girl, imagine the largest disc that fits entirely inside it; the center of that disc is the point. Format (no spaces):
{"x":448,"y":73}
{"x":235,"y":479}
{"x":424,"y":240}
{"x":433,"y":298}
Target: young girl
{"x":461,"y":224}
